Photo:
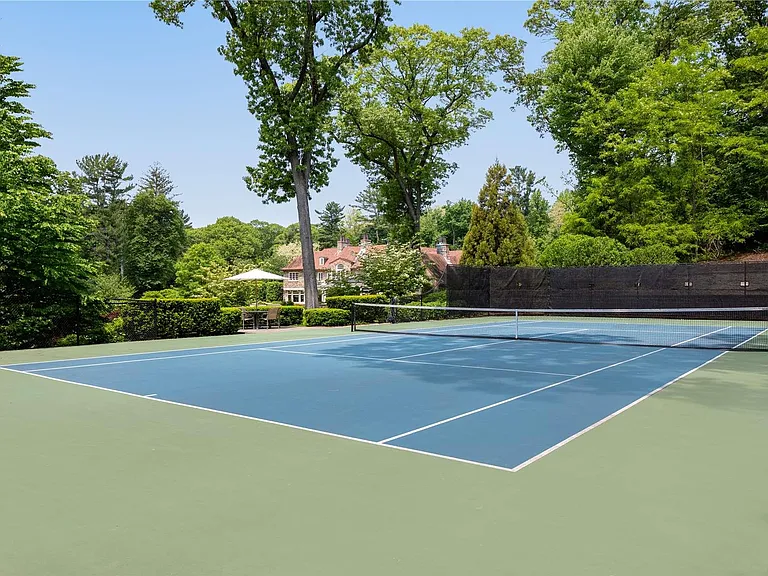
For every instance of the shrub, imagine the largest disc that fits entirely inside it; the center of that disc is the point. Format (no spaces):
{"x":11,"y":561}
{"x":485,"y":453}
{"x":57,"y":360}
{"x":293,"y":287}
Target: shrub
{"x":167,"y":294}
{"x":653,"y":254}
{"x":112,"y":286}
{"x":580,"y":250}
{"x":146,"y":319}
{"x":362,"y":315}
{"x":230,"y":321}
{"x":114,"y":330}
{"x":438,"y":298}
{"x":326,"y":317}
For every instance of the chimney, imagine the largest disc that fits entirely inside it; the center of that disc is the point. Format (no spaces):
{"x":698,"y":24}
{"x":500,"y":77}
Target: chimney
{"x":342,"y":243}
{"x":364,"y":241}
{"x":442,"y":247}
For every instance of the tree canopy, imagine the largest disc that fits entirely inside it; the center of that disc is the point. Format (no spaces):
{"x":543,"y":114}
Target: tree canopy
{"x":292,"y":57}
{"x":415,"y":99}
{"x":656,"y":108}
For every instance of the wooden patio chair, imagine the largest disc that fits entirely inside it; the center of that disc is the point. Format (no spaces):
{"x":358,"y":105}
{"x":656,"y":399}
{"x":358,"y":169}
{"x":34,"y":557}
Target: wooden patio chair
{"x":249,"y":317}
{"x":272,"y":315}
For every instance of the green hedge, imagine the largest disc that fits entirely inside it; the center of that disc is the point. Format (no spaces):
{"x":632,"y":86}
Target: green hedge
{"x":231,"y":320}
{"x":362,"y":315}
{"x":147,"y":319}
{"x":326,"y":317}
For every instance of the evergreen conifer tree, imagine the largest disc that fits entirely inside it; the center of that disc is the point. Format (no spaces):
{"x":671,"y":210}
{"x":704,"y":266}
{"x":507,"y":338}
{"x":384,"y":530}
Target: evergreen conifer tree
{"x":498,"y":235}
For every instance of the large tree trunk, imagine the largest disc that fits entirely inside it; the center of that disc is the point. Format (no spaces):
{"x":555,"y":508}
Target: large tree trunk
{"x":305,"y":233}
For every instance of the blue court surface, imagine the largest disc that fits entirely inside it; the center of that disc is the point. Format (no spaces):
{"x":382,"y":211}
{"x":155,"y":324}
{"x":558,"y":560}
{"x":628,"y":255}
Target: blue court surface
{"x":501,"y":403}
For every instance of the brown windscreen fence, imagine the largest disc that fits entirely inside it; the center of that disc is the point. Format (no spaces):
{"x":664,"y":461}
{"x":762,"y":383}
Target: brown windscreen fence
{"x":715,"y":285}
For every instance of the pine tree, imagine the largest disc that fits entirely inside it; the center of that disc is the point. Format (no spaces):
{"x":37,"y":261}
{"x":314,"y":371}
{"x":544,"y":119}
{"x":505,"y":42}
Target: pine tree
{"x":498,"y":235}
{"x":158,"y":180}
{"x":107,"y":187}
{"x":331,"y":218}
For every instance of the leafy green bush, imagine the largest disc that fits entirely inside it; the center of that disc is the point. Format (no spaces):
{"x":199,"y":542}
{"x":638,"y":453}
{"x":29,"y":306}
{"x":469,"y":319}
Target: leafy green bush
{"x":115,"y":330}
{"x":341,"y":284}
{"x":147,"y":319}
{"x":167,"y":294}
{"x":230,"y":321}
{"x":271,"y":291}
{"x":438,"y":297}
{"x":581,"y":250}
{"x":326,"y":317}
{"x":112,"y":286}
{"x":362,"y":314}
{"x":654,"y":254}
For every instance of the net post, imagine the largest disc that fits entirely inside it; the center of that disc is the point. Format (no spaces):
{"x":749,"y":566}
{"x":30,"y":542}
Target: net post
{"x":517,"y":323}
{"x":353,"y":317}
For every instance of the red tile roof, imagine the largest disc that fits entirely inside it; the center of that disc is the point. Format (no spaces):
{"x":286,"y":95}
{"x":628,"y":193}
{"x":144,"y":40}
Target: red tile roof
{"x":435,"y":263}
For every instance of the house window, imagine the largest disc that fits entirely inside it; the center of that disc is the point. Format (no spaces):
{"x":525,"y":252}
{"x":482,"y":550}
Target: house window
{"x":322,"y":260}
{"x":293,"y":275}
{"x":339,"y":267}
{"x":322,"y":297}
{"x":321,"y":276}
{"x":295,"y":296}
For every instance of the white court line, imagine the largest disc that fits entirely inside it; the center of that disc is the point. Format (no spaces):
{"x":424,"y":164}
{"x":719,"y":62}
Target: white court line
{"x":513,"y":398}
{"x":264,"y":420}
{"x":128,"y":354}
{"x":398,"y":361}
{"x":750,"y":339}
{"x":551,"y":449}
{"x":510,"y":340}
{"x":149,"y":395}
{"x":216,"y":353}
{"x":702,"y":336}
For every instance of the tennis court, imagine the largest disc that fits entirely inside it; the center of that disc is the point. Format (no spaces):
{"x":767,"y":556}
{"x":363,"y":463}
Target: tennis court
{"x":471,"y":404}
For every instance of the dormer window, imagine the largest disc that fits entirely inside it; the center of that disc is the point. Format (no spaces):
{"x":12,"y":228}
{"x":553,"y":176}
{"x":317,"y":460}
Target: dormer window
{"x":339,"y":267}
{"x":322,"y":260}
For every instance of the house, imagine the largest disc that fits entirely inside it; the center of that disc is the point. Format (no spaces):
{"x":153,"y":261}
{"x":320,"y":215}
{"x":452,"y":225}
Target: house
{"x":346,"y":258}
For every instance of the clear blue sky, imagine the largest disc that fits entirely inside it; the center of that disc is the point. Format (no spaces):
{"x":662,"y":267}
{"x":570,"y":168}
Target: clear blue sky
{"x":112,"y":78}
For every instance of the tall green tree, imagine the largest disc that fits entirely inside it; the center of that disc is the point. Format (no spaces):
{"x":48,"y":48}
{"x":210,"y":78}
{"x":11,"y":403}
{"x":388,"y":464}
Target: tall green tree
{"x":158,"y":181}
{"x":450,"y":221}
{"x":293,"y":57}
{"x":371,"y":205}
{"x":329,"y":228}
{"x":416,"y":99}
{"x":42,"y":230}
{"x":537,"y":219}
{"x":458,"y":216}
{"x":498,"y":235}
{"x":235,"y":241}
{"x":156,"y":239}
{"x":355,"y":225}
{"x":108,"y":187}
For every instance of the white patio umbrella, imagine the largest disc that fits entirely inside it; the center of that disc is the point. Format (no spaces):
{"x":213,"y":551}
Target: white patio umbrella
{"x":255,"y":274}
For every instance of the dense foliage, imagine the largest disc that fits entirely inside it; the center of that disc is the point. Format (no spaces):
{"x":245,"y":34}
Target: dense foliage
{"x":410,"y":103}
{"x":661,"y":108}
{"x":395,"y":271}
{"x":326,"y":317}
{"x":293,"y":57}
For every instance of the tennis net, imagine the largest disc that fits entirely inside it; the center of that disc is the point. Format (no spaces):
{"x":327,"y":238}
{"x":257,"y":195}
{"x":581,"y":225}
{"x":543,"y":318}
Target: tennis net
{"x":715,"y":328}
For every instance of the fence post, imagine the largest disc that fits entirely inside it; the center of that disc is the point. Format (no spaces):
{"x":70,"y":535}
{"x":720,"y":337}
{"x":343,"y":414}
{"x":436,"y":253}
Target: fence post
{"x":77,"y":321}
{"x":154,"y":317}
{"x":746,"y":283}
